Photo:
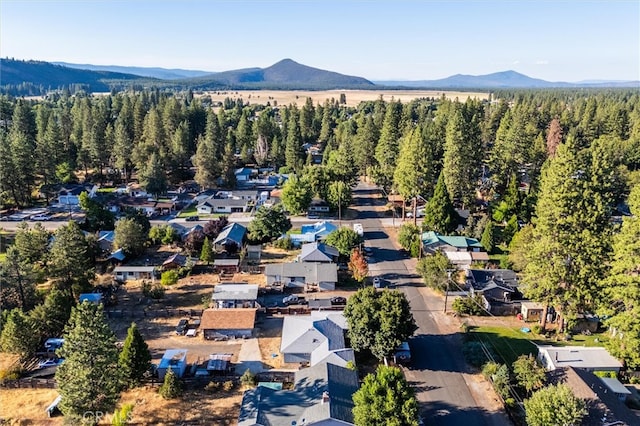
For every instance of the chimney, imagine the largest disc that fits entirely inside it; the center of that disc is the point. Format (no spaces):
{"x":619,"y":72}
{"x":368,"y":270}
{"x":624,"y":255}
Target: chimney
{"x":325,"y":397}
{"x":556,"y":356}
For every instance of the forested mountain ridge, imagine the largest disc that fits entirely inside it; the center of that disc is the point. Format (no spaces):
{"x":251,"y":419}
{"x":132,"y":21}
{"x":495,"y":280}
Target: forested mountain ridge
{"x":152,"y":72}
{"x":39,"y":74}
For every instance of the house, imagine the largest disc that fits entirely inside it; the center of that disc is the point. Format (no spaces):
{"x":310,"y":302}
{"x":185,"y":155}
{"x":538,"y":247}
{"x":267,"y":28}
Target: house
{"x":175,"y":261}
{"x":310,"y":339}
{"x":495,"y":286}
{"x":432,"y":241}
{"x":531,"y":311}
{"x":214,"y":205}
{"x":233,"y":233}
{"x":128,"y":273}
{"x":224,"y":323}
{"x":148,"y":207}
{"x":604,"y":397}
{"x":105,"y":240}
{"x":312,"y":233}
{"x":176,"y":359}
{"x":117,"y":256}
{"x":321,"y":395}
{"x":235,"y":295}
{"x":226,"y":266}
{"x":321,"y":275}
{"x":69,"y":195}
{"x":91,"y":298}
{"x":579,"y":357}
{"x":318,"y":252}
{"x":243,"y":174}
{"x":318,"y":206}
{"x":133,"y":190}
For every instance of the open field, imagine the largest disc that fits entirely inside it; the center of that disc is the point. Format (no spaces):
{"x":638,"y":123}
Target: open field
{"x":354,"y":97}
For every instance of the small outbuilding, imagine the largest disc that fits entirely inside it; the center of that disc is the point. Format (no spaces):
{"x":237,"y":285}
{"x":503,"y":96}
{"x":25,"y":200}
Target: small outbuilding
{"x":531,"y":311}
{"x":176,"y":359}
{"x":226,"y":266}
{"x":175,"y":261}
{"x":91,"y":297}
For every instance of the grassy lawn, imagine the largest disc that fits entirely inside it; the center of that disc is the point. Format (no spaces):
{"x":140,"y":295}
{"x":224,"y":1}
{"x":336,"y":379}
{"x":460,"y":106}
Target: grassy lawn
{"x":189,"y":211}
{"x":107,"y":190}
{"x":3,"y":256}
{"x":294,"y":231}
{"x":507,"y":343}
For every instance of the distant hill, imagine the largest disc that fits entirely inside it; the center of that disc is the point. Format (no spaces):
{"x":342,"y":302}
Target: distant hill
{"x":499,"y":80}
{"x":284,"y":74}
{"x":161,"y":73}
{"x":46,"y":75}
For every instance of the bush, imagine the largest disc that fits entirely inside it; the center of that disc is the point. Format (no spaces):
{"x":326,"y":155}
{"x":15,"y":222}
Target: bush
{"x":171,"y":388}
{"x":212,"y":387}
{"x":490,"y":369}
{"x":285,"y":243}
{"x":468,"y":306}
{"x":609,"y":374}
{"x":248,"y":379}
{"x":153,"y":291}
{"x":169,"y":277}
{"x":474,"y":354}
{"x":501,"y":381}
{"x":12,"y":373}
{"x":228,"y":386}
{"x":536,"y":329}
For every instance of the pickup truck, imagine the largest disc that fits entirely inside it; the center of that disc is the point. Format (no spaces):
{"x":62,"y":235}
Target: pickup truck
{"x":293,"y":299}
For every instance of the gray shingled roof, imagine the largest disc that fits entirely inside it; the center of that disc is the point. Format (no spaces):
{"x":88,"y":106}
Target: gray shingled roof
{"x":235,"y":292}
{"x":318,"y":252}
{"x":304,"y":404}
{"x":313,"y":272}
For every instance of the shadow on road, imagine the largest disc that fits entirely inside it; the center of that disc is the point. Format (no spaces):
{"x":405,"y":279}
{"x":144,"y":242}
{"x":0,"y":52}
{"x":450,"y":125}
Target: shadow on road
{"x":441,"y":413}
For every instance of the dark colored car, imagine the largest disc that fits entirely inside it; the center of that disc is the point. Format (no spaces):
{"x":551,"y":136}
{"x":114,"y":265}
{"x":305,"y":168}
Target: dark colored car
{"x":192,"y":219}
{"x":338,"y":300}
{"x":181,"y":328}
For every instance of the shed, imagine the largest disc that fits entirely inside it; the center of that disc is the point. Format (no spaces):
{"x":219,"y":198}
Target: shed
{"x":90,"y":297}
{"x":531,"y":311}
{"x":236,"y":322}
{"x":227,"y":266}
{"x":52,"y":409}
{"x":176,"y":359}
{"x":219,"y":363}
{"x":254,"y":252}
{"x":175,"y":261}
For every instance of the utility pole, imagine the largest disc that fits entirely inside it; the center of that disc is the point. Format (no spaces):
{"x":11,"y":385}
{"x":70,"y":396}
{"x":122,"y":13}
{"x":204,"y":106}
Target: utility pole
{"x":339,"y":205}
{"x":446,"y":289}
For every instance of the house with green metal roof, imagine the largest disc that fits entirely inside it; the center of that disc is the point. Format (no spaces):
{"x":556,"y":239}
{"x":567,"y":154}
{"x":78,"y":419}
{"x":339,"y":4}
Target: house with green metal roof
{"x":432,"y":242}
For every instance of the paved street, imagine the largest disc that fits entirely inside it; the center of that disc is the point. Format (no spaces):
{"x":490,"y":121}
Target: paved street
{"x":438,"y":368}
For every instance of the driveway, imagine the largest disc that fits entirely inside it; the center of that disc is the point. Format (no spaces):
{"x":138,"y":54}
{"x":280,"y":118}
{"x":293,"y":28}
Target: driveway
{"x":448,"y":394}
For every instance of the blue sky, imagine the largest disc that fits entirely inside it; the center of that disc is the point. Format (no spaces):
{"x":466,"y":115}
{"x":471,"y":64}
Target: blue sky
{"x":556,"y":40}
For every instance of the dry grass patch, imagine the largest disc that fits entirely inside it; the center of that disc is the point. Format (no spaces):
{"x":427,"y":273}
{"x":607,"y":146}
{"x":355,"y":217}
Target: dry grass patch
{"x":27,"y":407}
{"x":195,"y":406}
{"x":354,"y":97}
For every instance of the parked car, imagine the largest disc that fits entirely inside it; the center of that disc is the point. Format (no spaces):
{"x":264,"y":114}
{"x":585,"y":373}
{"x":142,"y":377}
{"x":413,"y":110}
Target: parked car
{"x":377,"y":282}
{"x":41,"y":217}
{"x":338,"y":300}
{"x":51,"y":362}
{"x":293,"y":299}
{"x":182,"y":326}
{"x":192,"y":218}
{"x":404,"y":253}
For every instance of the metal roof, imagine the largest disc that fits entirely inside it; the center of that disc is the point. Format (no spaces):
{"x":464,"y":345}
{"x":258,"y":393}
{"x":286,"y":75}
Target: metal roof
{"x":235,"y":292}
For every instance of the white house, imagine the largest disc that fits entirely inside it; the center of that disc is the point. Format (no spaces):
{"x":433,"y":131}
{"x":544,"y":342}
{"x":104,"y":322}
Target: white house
{"x":582,"y":357}
{"x":323,"y":276}
{"x":126,"y":273}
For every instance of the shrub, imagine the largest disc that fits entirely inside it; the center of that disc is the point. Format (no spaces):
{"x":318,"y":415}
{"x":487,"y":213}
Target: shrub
{"x":153,"y":291}
{"x":490,"y":369}
{"x":609,"y":374}
{"x":285,"y":243}
{"x":536,"y":329}
{"x":228,"y":386}
{"x":12,"y":373}
{"x":212,"y":387}
{"x":171,"y":388}
{"x":468,"y":306}
{"x":248,"y":379}
{"x":474,"y":354}
{"x":465,"y":327}
{"x":169,"y":277}
{"x":501,"y":381}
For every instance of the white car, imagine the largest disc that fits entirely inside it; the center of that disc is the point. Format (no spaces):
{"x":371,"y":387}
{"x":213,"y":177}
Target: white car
{"x":52,"y":362}
{"x":40,"y":217}
{"x":377,"y":282}
{"x":291,"y":299}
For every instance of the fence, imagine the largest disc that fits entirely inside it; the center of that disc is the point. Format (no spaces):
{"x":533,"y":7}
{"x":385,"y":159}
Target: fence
{"x":156,"y":313}
{"x":30,"y":382}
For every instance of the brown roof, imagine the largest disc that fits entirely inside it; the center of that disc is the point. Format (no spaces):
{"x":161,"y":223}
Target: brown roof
{"x":601,"y":403}
{"x":233,"y":319}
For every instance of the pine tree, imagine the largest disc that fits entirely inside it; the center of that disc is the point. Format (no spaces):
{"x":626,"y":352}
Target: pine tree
{"x":488,"y":239}
{"x":439,"y":214}
{"x":459,"y":168}
{"x":70,"y":262}
{"x":206,"y":162}
{"x":18,"y":334}
{"x":171,"y":388}
{"x":296,"y":195}
{"x":135,"y":358}
{"x":293,"y":147}
{"x":89,"y":378}
{"x":386,"y":153}
{"x":206,"y":255}
{"x":154,"y":178}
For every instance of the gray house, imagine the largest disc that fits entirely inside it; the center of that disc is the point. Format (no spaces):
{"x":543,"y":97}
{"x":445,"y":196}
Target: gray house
{"x":235,"y":295}
{"x":579,"y":357}
{"x":318,"y":252}
{"x":300,"y":274}
{"x":311,"y":339}
{"x":322,"y":395}
{"x":223,"y":205}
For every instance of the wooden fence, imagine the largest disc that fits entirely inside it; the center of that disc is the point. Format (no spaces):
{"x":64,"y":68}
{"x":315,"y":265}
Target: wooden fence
{"x":155,"y":313}
{"x":30,"y":382}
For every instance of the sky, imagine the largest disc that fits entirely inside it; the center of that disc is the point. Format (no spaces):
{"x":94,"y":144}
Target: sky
{"x":555,"y":40}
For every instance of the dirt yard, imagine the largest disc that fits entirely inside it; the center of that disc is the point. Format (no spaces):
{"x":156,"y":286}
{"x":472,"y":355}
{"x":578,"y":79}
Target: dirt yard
{"x":354,"y":97}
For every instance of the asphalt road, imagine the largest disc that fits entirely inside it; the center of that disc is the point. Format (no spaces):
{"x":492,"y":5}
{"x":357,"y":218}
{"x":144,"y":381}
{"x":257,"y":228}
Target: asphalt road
{"x":437,"y":365}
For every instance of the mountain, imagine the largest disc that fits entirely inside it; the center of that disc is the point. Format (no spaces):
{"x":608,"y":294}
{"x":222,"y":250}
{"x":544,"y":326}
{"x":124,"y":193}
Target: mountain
{"x":499,"y":80}
{"x":46,"y":75}
{"x":282,"y":75}
{"x":160,"y":73}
